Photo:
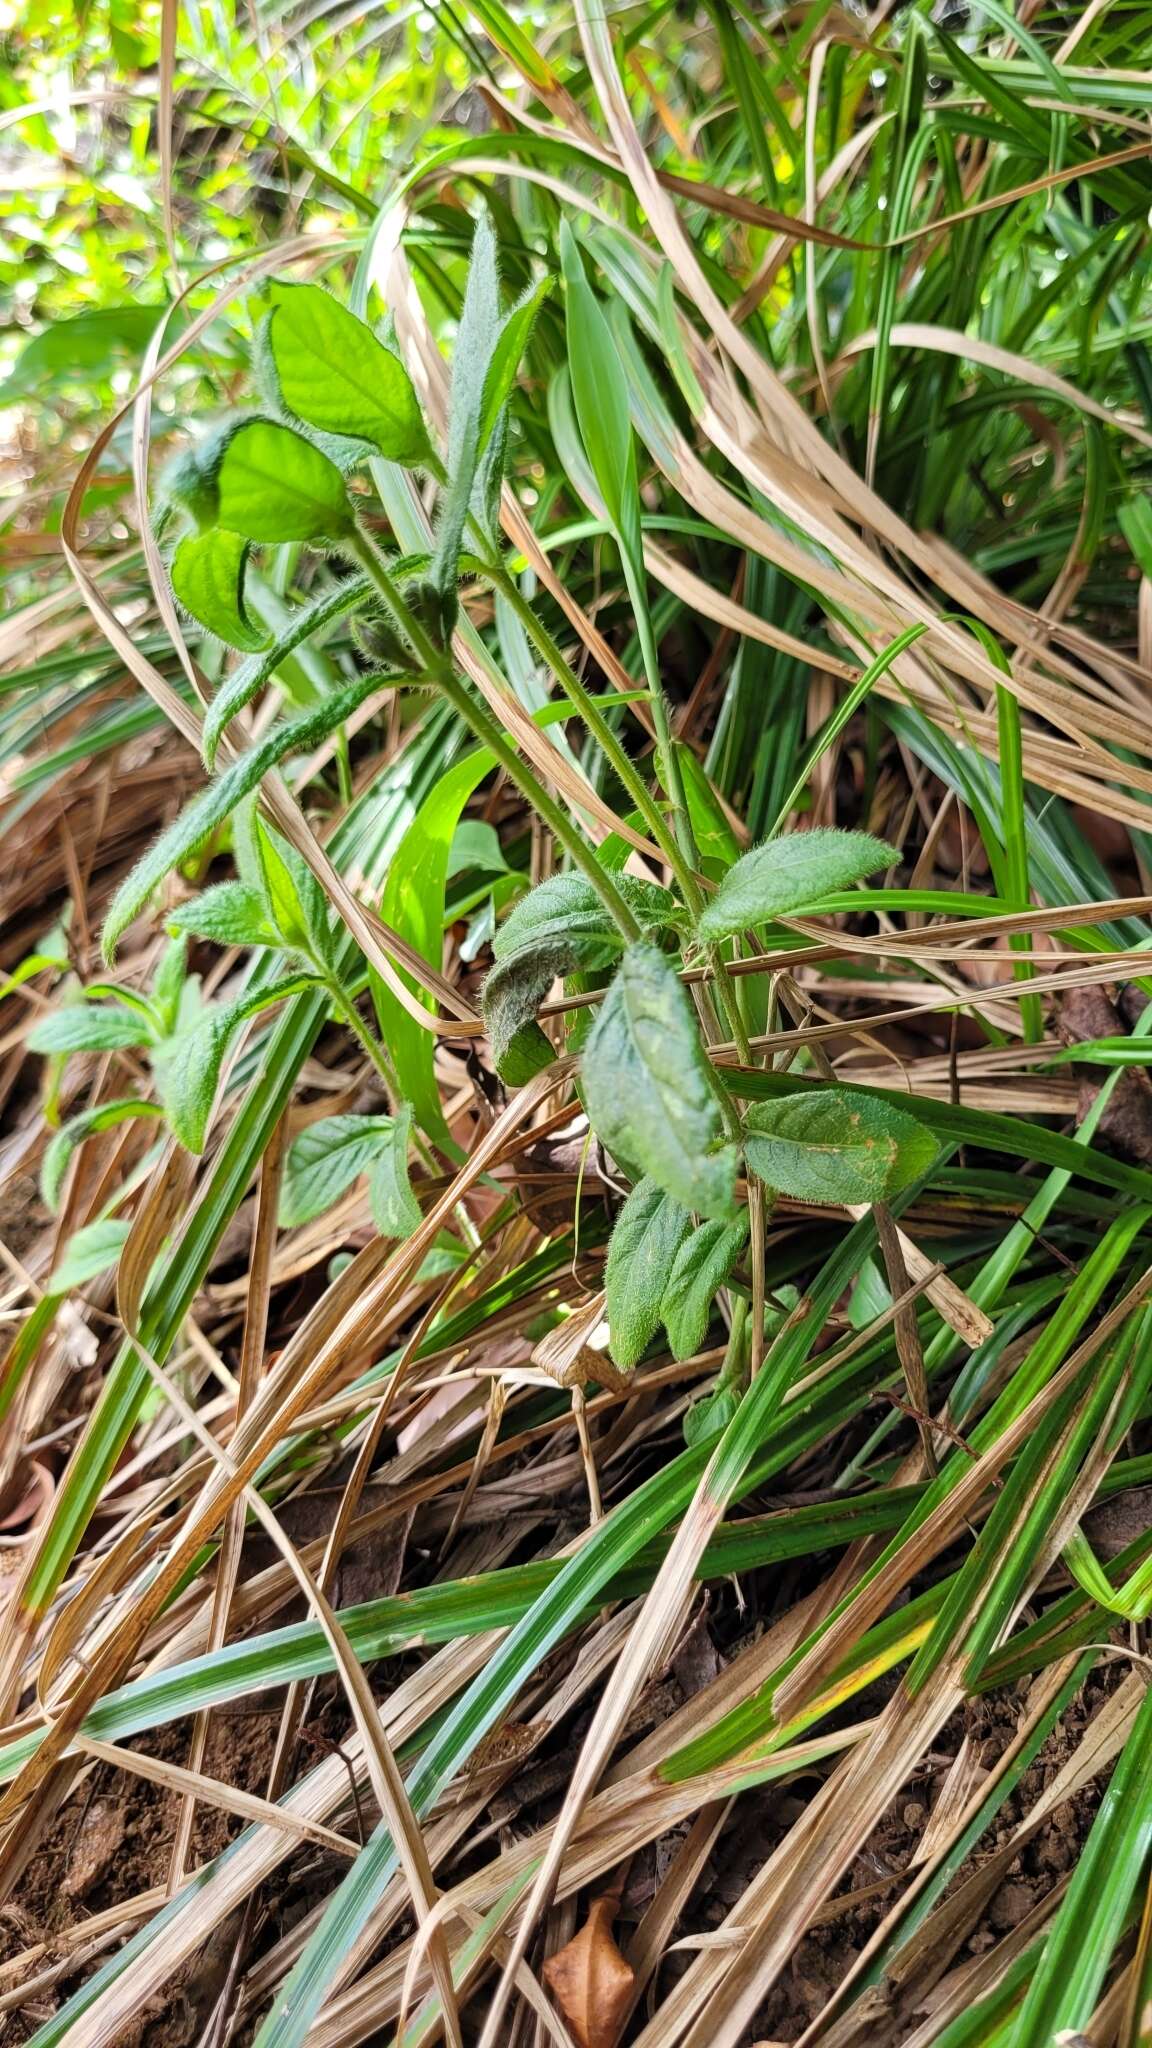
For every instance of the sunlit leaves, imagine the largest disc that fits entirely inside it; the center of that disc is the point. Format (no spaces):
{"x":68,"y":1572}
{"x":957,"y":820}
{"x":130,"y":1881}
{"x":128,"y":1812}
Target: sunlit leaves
{"x":331,"y":372}
{"x":208,"y":579}
{"x":786,"y":874}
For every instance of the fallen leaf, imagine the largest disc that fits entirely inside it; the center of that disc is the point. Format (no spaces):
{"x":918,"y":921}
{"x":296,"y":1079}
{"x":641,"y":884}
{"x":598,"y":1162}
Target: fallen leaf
{"x":590,"y":1980}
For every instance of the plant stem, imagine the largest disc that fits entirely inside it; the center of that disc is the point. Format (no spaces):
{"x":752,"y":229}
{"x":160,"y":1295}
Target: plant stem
{"x":479,"y":719}
{"x":597,"y":724}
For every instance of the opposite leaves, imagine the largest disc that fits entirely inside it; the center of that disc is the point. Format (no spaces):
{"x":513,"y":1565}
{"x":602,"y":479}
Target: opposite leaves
{"x":648,"y":1088}
{"x":648,"y":1233}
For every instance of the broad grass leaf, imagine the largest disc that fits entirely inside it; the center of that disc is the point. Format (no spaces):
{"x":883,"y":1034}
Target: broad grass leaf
{"x":208,"y":578}
{"x":325,"y":1160}
{"x":785,"y":874}
{"x":648,"y":1088}
{"x":333,"y":373}
{"x":272,"y":485}
{"x":702,"y":1264}
{"x":830,"y":1146}
{"x":646,"y":1238}
{"x":600,"y":396}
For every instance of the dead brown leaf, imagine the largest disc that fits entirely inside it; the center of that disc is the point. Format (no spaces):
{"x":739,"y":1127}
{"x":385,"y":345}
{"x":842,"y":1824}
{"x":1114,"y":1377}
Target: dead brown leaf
{"x":590,"y":1980}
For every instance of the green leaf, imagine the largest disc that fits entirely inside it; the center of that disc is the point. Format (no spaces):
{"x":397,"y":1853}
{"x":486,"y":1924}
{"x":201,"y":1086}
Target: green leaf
{"x":1136,"y":526}
{"x":646,"y":1238}
{"x":208,"y":579}
{"x":325,"y":1160}
{"x":86,"y":1027}
{"x":168,"y":982}
{"x":207,"y":812}
{"x":413,"y":905}
{"x":648,"y":1087}
{"x":88,"y":1252}
{"x":60,"y":1147}
{"x":511,"y":997}
{"x":476,"y":339}
{"x":250,"y":677}
{"x":272,"y":484}
{"x":293,"y":898}
{"x":836,"y":1147}
{"x":515,"y":334}
{"x":600,"y":395}
{"x":781,"y":877}
{"x":332,"y":372}
{"x":193,"y":1075}
{"x":710,"y":1417}
{"x":395,"y":1210}
{"x":566,"y":908}
{"x":230,"y":913}
{"x":701,"y":1265}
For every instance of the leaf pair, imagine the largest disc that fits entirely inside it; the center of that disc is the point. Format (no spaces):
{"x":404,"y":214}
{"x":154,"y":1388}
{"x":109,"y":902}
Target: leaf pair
{"x":558,"y":927}
{"x":662,"y":1270}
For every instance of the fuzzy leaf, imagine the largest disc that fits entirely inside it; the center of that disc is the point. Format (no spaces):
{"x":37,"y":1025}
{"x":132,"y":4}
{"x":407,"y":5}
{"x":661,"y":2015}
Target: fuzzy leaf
{"x":60,"y":1147}
{"x":230,"y":913}
{"x":332,"y":372}
{"x":250,"y":677}
{"x":566,"y":909}
{"x":325,"y":1160}
{"x":89,"y":1251}
{"x":834,"y":1147}
{"x":192,"y":1077}
{"x":86,"y":1027}
{"x":515,"y":334}
{"x":208,"y":811}
{"x":208,"y":579}
{"x":512,"y":995}
{"x":272,"y":484}
{"x":476,"y":339}
{"x":702,"y":1264}
{"x":395,"y":1210}
{"x":648,"y":1234}
{"x":786,"y":874}
{"x":648,"y":1088}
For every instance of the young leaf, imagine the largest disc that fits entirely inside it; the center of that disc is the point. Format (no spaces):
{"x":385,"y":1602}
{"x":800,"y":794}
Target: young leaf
{"x":566,"y":909}
{"x":476,"y":339}
{"x":511,"y":997}
{"x":168,"y":982}
{"x":293,"y":898}
{"x":86,"y":1027}
{"x":710,"y":1417}
{"x":59,"y":1149}
{"x":88,"y":1252}
{"x":395,"y":1210}
{"x":648,"y":1234}
{"x":246,"y":681}
{"x":786,"y":874}
{"x":331,"y":372}
{"x":272,"y":484}
{"x":208,"y":579}
{"x":600,"y":395}
{"x":702,"y":1264}
{"x":830,"y":1146}
{"x":515,"y":334}
{"x":193,"y":1076}
{"x":648,"y":1087}
{"x":230,"y":913}
{"x":325,"y":1160}
{"x":208,"y":810}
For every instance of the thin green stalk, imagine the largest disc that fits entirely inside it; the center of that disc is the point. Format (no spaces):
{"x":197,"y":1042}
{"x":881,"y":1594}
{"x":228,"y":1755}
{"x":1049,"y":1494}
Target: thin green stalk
{"x":585,"y":702}
{"x":477,"y":717}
